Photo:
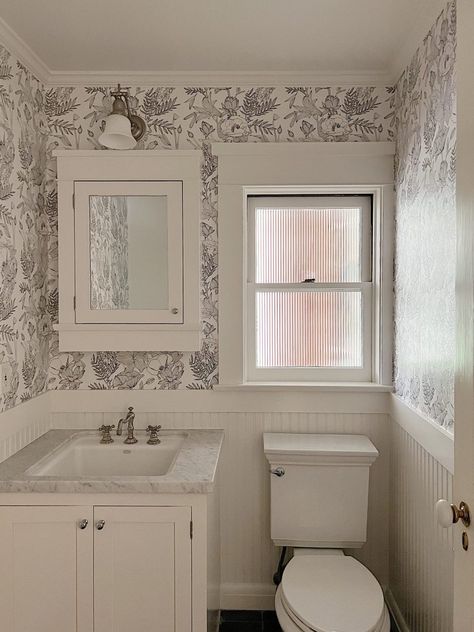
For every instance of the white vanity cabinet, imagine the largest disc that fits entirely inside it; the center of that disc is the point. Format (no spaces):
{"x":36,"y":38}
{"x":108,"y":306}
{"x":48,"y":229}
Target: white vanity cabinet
{"x":102,"y":568}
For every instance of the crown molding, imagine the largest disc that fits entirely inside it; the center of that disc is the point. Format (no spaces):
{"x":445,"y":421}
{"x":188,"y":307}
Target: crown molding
{"x":220,"y":78}
{"x":420,"y":28}
{"x":18,"y":47}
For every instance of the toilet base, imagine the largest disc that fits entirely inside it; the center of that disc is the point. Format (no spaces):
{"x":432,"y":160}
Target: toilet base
{"x":287,"y":624}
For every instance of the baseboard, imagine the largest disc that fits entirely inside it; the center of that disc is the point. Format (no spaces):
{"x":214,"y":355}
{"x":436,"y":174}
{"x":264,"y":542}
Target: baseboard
{"x":247,"y":597}
{"x":262,"y":597}
{"x":213,"y":620}
{"x":395,"y":612}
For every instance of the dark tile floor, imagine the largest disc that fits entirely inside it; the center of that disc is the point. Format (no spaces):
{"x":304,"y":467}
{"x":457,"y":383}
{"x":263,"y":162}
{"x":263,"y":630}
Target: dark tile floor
{"x":253,"y":621}
{"x":249,"y":621}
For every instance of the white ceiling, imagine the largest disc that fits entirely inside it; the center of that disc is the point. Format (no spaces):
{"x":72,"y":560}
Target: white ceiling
{"x":219,"y":35}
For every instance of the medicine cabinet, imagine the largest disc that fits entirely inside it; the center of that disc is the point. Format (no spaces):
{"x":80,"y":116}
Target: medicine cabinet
{"x":128,"y":250}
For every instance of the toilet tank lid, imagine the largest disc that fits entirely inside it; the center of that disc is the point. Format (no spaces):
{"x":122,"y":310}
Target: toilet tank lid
{"x":318,"y":444}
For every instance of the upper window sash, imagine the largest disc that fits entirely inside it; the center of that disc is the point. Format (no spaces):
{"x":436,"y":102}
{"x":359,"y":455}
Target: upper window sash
{"x":314,"y":202}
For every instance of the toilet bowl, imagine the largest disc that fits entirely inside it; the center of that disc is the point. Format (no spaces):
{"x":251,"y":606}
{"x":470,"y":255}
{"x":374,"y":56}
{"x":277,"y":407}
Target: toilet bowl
{"x":327,"y":591}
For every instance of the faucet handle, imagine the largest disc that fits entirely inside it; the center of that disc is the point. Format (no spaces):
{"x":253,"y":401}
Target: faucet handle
{"x":153,"y":430}
{"x":105,"y":430}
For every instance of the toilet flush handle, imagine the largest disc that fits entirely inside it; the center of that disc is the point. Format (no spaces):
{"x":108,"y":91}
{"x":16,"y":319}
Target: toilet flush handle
{"x":278,"y":471}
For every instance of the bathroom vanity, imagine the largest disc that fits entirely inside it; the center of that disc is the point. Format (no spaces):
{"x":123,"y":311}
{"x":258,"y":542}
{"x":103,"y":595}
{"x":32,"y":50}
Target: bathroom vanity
{"x":87,"y":548}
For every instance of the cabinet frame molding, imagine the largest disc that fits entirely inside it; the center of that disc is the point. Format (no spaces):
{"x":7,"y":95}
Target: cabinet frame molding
{"x":134,"y":165}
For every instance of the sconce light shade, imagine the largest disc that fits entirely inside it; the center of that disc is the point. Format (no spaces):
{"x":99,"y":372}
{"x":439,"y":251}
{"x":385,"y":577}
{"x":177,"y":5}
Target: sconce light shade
{"x":122,"y":128}
{"x":117,"y":133}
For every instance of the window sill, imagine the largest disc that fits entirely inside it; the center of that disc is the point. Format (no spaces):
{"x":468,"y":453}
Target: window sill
{"x":345,"y":387}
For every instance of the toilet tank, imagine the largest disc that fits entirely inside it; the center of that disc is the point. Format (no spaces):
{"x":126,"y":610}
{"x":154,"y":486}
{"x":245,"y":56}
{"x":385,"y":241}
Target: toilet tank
{"x":320,"y":498}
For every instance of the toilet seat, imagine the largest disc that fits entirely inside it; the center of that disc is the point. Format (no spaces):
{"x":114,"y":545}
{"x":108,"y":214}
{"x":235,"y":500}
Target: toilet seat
{"x":332,"y":593}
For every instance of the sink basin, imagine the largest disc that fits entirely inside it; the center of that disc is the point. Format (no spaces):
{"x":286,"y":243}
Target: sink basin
{"x":84,"y":456}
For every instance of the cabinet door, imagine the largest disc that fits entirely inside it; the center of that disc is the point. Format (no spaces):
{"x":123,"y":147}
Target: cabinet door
{"x":46,"y":569}
{"x":142,"y":569}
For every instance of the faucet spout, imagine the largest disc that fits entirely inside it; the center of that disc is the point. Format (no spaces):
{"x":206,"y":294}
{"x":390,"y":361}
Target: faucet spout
{"x":129,"y":420}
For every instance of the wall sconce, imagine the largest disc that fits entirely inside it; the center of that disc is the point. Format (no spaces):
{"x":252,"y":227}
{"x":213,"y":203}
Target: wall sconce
{"x":122,"y":128}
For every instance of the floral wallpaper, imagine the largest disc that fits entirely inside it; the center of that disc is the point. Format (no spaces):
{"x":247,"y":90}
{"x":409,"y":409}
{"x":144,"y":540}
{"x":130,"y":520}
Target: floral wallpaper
{"x":194,"y":117}
{"x":109,"y":252}
{"x":424,"y":101}
{"x":26,"y":306}
{"x":419,"y":112}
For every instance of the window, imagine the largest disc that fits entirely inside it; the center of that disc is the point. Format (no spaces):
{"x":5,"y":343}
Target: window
{"x":253,"y":172}
{"x":309,"y":288}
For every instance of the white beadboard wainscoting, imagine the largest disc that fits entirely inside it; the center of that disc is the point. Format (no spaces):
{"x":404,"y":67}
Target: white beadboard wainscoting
{"x":248,"y":556}
{"x":410,"y":555}
{"x":22,"y":424}
{"x":420,"y":551}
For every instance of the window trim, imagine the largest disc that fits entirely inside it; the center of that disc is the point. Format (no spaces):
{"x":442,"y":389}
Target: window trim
{"x":252,"y":373}
{"x":364,"y":168}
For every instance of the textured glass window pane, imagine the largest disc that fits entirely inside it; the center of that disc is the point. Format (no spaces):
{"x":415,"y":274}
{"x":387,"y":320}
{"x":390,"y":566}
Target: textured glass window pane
{"x":294,"y":244}
{"x":309,"y":329}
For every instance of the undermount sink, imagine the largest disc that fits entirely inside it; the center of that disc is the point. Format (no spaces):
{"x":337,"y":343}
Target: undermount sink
{"x":84,"y":456}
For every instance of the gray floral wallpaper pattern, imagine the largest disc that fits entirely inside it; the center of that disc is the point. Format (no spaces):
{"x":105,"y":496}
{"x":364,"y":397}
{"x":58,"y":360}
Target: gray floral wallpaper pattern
{"x":26,"y":306}
{"x":419,"y":110}
{"x":424,"y":102}
{"x":109,"y":252}
{"x":194,"y":117}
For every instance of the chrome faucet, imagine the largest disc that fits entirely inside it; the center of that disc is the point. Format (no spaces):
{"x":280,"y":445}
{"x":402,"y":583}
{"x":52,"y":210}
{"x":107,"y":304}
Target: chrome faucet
{"x":129,"y":419}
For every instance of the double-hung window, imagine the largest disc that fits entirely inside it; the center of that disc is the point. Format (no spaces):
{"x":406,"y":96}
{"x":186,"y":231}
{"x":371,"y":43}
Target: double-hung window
{"x":309,"y":298}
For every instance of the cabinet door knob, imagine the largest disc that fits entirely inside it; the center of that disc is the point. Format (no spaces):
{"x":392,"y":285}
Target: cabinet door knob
{"x":100,"y":524}
{"x":83,"y":523}
{"x":175,"y":310}
{"x":278,"y":471}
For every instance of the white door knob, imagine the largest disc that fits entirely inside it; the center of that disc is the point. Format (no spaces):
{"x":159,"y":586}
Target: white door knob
{"x":444,"y":513}
{"x":449,"y":514}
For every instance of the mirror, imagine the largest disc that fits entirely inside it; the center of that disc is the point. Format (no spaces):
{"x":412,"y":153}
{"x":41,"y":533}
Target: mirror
{"x":128,"y":252}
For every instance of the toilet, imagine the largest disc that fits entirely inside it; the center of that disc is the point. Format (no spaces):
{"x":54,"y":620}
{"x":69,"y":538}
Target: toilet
{"x":319,"y":500}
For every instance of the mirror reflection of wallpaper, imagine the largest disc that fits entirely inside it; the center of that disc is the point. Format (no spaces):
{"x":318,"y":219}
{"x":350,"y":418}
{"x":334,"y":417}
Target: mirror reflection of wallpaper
{"x":109,"y":252}
{"x":425,"y":110}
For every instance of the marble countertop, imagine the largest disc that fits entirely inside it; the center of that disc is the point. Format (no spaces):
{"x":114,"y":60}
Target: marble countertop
{"x":193,"y":471}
